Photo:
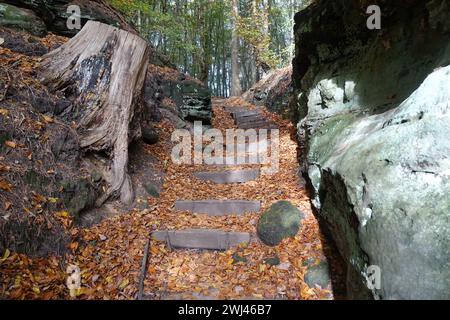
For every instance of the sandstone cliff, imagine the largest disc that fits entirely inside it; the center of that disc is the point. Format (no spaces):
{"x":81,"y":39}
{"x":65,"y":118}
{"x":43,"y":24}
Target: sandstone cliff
{"x":374,"y":112}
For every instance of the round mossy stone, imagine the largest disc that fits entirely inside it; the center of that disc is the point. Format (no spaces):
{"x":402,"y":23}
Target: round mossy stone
{"x":282,"y":220}
{"x":318,"y":275}
{"x":273,"y":261}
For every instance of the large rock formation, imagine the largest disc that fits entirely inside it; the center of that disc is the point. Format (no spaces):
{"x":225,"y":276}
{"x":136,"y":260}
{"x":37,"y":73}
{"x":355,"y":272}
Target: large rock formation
{"x":183,"y":96}
{"x":195,"y":101}
{"x":274,"y":92}
{"x":374,"y":107}
{"x":55,"y":13}
{"x":22,"y":19}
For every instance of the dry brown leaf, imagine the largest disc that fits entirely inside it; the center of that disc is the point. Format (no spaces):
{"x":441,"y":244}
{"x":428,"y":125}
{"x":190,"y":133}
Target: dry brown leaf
{"x":5,"y":185}
{"x":48,"y":119}
{"x":8,"y":205}
{"x":11,"y":144}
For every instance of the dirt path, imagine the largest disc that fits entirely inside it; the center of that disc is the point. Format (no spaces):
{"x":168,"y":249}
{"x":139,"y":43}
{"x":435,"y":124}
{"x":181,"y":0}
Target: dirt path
{"x":210,"y":274}
{"x":109,"y":254}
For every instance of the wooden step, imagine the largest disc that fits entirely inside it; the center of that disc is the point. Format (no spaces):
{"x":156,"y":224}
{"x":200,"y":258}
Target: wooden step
{"x":234,"y":109}
{"x":245,"y":114}
{"x":231,"y":176}
{"x":249,"y":120}
{"x":218,"y":207}
{"x":258,"y":125}
{"x":259,"y":136}
{"x":250,"y":147}
{"x":252,"y":122}
{"x":249,"y":157}
{"x":201,"y":239}
{"x":253,"y":147}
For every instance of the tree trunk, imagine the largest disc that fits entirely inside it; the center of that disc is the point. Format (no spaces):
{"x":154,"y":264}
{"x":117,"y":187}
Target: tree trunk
{"x":104,"y":69}
{"x":236,"y":89}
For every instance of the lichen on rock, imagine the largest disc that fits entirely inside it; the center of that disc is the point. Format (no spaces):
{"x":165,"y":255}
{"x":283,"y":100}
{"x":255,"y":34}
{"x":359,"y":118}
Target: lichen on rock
{"x":374,"y":112}
{"x":282,"y":220}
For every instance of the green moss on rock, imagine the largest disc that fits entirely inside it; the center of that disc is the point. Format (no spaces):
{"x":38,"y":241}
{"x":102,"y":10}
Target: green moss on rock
{"x":282,"y":220}
{"x":318,"y":275}
{"x":22,"y":19}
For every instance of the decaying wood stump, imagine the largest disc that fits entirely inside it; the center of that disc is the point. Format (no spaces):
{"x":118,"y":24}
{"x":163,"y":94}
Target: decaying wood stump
{"x":103,"y":68}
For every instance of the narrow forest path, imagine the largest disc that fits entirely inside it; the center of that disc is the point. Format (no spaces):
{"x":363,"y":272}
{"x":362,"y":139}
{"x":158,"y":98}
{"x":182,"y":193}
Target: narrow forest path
{"x":194,"y":201}
{"x":109,"y":254}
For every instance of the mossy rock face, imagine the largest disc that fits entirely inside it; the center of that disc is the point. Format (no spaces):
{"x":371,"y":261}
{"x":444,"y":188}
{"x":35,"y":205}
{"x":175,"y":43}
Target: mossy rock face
{"x":318,"y":275}
{"x":196,"y":102}
{"x":282,"y":220}
{"x":22,"y":19}
{"x":193,"y":88}
{"x":96,"y":177}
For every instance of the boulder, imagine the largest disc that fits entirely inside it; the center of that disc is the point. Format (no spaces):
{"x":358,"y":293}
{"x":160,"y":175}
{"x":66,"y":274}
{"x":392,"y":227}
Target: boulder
{"x":21,"y":19}
{"x":54,"y":13}
{"x":169,"y":90}
{"x":318,"y":275}
{"x":196,"y":104}
{"x":161,"y":60}
{"x":374,"y":112}
{"x":150,"y":135}
{"x":274,"y":92}
{"x":282,"y":220}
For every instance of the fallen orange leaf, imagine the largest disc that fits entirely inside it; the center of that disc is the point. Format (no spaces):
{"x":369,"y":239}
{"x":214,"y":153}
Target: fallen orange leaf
{"x":11,"y":144}
{"x":5,"y":185}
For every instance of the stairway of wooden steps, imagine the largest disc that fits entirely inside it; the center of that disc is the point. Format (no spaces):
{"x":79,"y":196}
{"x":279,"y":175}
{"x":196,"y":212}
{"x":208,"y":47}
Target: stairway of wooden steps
{"x":230,"y":176}
{"x":210,"y":239}
{"x":214,"y":239}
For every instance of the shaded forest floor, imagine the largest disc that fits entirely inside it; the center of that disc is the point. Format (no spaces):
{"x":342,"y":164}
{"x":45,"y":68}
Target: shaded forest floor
{"x":109,"y":254}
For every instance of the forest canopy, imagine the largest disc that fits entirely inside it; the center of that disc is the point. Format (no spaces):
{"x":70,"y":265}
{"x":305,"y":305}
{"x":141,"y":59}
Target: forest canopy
{"x":197,"y":36}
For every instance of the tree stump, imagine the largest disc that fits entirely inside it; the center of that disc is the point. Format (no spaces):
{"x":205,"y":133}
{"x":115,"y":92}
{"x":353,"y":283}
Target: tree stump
{"x":103,"y":68}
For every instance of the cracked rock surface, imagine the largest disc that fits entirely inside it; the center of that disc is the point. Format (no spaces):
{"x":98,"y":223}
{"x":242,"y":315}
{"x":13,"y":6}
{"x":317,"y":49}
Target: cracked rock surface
{"x":374,"y":126}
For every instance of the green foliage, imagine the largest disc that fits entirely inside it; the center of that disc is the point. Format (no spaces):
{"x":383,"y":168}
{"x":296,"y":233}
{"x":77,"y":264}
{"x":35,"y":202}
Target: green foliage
{"x":251,"y":30}
{"x":196,"y":35}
